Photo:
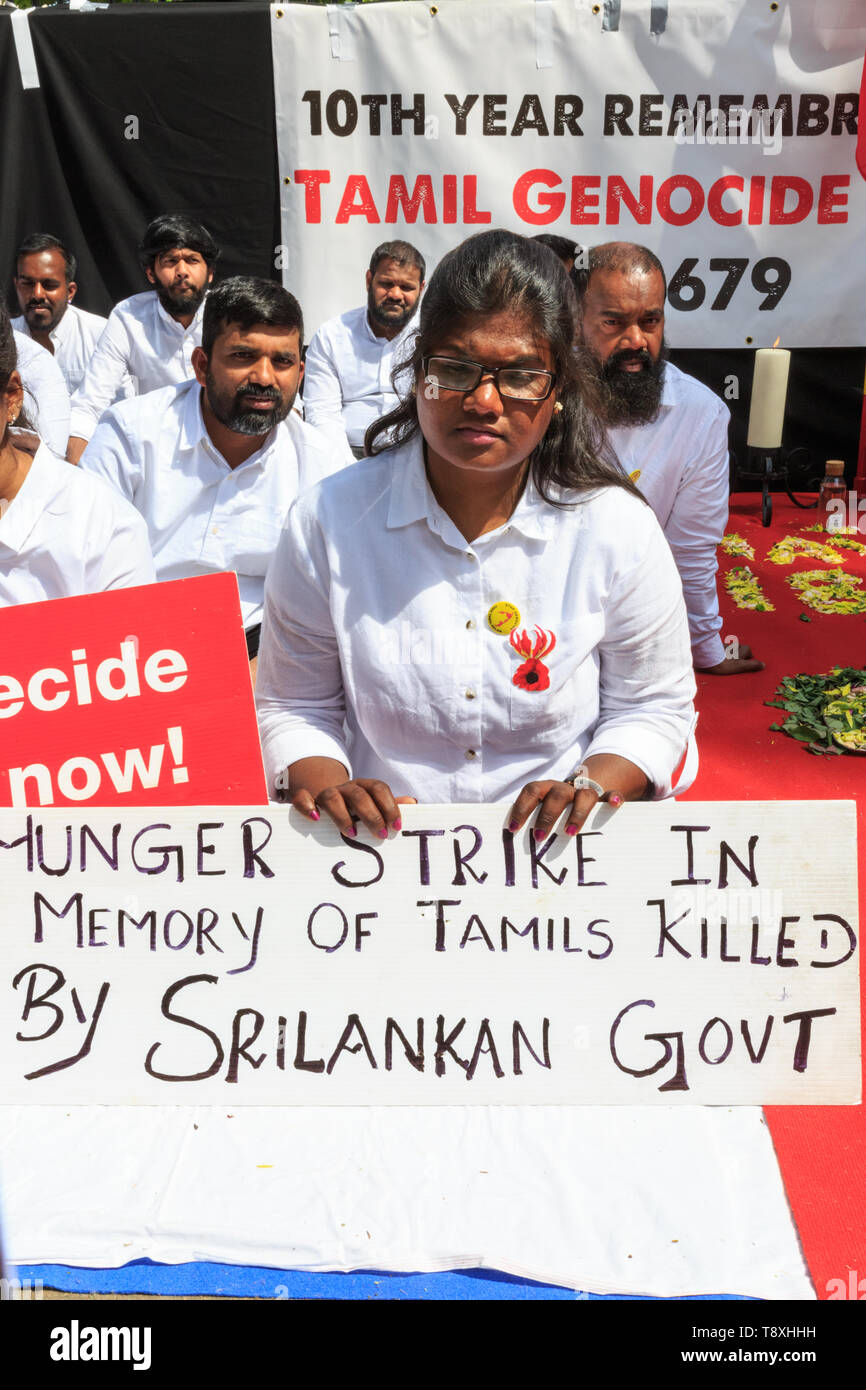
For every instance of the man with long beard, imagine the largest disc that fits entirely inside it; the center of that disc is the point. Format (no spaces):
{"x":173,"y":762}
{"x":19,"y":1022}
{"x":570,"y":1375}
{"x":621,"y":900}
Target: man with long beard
{"x":213,"y":464}
{"x":668,"y":431}
{"x":150,"y":336}
{"x":350,"y":359}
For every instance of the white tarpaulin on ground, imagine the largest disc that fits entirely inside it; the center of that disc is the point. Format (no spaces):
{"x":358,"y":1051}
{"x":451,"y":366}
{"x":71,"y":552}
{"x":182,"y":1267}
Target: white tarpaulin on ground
{"x":612,"y":1199}
{"x":724,"y":141}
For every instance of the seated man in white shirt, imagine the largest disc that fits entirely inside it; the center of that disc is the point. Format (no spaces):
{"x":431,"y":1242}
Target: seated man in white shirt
{"x":669,"y":432}
{"x":61,"y":532}
{"x":213,"y":464}
{"x":45,"y":285}
{"x":151,"y":336}
{"x":351,"y":358}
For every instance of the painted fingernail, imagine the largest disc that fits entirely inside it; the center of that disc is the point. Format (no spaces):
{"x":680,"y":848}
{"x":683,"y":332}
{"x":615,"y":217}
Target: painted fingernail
{"x":513,"y":827}
{"x":615,"y":799}
{"x":383,"y":833}
{"x":351,"y":832}
{"x":571,"y":829}
{"x":314,"y":815}
{"x":398,"y":824}
{"x":540,"y":834}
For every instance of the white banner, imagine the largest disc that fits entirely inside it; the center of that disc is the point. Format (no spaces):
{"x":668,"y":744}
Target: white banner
{"x":724,"y":141}
{"x":693,"y":953}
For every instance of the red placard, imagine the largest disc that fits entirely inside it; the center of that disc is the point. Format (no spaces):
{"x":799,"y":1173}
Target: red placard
{"x":137,"y":697}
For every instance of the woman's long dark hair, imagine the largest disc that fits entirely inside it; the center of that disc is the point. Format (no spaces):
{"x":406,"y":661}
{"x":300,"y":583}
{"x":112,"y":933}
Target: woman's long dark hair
{"x":499,"y":272}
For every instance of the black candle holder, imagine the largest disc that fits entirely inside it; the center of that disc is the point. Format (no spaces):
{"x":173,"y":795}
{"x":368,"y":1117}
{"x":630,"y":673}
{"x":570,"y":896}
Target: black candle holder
{"x":769,"y":467}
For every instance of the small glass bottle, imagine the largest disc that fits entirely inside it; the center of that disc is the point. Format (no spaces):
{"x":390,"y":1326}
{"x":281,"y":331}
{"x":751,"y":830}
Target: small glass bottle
{"x":831,"y":493}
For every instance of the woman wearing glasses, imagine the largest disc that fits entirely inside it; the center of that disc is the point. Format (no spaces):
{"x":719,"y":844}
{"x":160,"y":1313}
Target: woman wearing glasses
{"x":474,"y":614}
{"x":482,"y":610}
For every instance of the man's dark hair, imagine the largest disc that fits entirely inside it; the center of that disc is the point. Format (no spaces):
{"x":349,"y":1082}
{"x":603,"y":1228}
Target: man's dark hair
{"x":561,"y":246}
{"x":403,"y":252}
{"x":622,"y":256}
{"x":499,"y":272}
{"x":171,"y":231}
{"x":44,"y":241}
{"x":247,"y":301}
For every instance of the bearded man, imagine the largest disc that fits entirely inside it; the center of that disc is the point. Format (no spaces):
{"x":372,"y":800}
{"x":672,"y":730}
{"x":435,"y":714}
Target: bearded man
{"x":350,"y":359}
{"x":213,"y":464}
{"x":668,"y":431}
{"x":151,"y":337}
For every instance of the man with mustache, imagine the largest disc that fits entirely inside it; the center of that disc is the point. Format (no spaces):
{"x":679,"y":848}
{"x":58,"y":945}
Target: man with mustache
{"x":45,"y":272}
{"x":668,"y":431}
{"x":213,"y":464}
{"x":150,"y":336}
{"x":350,"y":359}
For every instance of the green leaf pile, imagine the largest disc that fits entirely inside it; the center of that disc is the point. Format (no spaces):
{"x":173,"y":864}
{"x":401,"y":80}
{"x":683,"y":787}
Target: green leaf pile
{"x":826,"y":712}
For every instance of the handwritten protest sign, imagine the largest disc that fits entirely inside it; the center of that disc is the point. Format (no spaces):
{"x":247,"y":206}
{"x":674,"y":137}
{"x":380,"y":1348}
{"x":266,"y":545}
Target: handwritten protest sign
{"x":131,"y":697}
{"x":670,"y":953}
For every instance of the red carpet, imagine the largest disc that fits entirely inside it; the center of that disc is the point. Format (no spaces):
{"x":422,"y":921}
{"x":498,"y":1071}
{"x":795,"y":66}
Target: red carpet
{"x":821,"y":1149}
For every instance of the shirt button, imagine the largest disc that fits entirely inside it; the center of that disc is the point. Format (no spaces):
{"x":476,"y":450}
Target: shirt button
{"x":470,"y":555}
{"x":470,"y":623}
{"x":470,"y":694}
{"x":471,"y":753}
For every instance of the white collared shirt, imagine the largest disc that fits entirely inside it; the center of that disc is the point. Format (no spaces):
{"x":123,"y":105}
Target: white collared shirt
{"x":376,"y":613}
{"x":73,"y":339}
{"x":203,"y":516}
{"x":140,"y":339}
{"x":347,"y":373}
{"x":46,"y":399}
{"x":681,"y":462}
{"x":65,"y":533}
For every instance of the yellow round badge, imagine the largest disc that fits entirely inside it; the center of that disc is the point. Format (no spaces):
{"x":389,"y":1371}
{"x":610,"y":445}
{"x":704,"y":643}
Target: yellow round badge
{"x":633,"y":477}
{"x":503,"y":617}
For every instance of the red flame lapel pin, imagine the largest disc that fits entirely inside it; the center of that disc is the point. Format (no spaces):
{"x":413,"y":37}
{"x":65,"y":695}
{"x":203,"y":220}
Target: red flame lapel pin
{"x":533,"y":674}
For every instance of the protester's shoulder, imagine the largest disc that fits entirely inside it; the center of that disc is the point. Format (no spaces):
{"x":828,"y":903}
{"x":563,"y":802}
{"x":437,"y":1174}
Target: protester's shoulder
{"x":614,"y":524}
{"x":339,"y":500}
{"x":322,"y":445}
{"x":340,"y":327}
{"x":97,"y":506}
{"x":693,"y":396}
{"x":141,"y":415}
{"x":136,"y":307}
{"x":30,"y":351}
{"x":93,"y":323}
{"x":609,"y":503}
{"x":38,"y":367}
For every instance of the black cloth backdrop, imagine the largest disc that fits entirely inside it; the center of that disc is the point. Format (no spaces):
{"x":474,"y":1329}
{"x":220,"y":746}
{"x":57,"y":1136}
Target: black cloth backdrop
{"x":198,"y":78}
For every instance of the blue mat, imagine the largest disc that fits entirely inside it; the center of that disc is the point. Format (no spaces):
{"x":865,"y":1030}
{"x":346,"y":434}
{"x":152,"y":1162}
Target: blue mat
{"x":242,"y":1281}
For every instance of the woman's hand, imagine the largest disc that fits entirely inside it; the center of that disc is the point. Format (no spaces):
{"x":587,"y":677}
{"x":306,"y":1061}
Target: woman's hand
{"x":320,"y":784}
{"x":620,"y":779}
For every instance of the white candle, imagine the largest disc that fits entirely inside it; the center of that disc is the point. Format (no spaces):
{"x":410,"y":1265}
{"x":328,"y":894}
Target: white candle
{"x":769,"y":391}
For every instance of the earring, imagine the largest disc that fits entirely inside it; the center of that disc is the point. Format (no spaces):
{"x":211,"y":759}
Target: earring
{"x":557,"y":407}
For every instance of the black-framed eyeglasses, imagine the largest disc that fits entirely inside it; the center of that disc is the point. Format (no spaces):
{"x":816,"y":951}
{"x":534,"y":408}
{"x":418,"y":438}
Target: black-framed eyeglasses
{"x":454,"y":374}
